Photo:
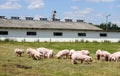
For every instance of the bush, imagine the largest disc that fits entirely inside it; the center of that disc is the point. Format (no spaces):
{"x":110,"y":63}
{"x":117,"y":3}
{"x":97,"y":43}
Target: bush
{"x":106,"y":41}
{"x":82,"y":41}
{"x":119,"y":41}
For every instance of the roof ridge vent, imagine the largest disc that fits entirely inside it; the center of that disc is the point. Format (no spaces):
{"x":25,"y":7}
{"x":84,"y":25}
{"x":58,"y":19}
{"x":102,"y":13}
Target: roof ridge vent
{"x":2,"y":17}
{"x":68,"y":20}
{"x":29,"y":18}
{"x":57,"y":20}
{"x":43,"y":19}
{"x":15,"y":18}
{"x":80,"y":20}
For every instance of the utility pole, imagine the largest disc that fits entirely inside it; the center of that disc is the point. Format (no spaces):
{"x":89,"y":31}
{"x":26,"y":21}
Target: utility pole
{"x":107,"y":21}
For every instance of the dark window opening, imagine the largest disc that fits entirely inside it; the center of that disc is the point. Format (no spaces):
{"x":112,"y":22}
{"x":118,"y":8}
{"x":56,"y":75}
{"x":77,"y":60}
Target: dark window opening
{"x":31,"y":33}
{"x":103,"y":34}
{"x":3,"y":32}
{"x":57,"y":33}
{"x":81,"y":34}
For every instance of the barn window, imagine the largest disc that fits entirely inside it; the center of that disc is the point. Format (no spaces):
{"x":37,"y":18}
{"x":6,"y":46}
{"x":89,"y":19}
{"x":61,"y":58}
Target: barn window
{"x":81,"y":34}
{"x":57,"y":33}
{"x":3,"y":32}
{"x":31,"y":33}
{"x":103,"y":35}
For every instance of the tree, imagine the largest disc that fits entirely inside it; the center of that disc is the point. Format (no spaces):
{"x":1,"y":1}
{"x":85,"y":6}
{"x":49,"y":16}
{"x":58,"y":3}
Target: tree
{"x":109,"y":27}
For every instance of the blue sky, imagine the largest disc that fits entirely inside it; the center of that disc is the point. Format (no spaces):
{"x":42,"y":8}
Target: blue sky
{"x":92,"y":11}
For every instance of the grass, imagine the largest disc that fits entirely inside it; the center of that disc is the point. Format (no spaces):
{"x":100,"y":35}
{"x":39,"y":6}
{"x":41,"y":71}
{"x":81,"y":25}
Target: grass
{"x":55,"y":67}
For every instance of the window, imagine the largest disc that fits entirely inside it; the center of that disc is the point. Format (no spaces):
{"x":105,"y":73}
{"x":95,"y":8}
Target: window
{"x":31,"y":33}
{"x":57,"y":33}
{"x":3,"y":32}
{"x":103,"y":34}
{"x":81,"y":34}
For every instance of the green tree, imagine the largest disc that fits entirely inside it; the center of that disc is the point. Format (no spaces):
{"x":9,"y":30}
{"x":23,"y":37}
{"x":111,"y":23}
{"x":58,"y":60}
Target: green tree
{"x":109,"y":27}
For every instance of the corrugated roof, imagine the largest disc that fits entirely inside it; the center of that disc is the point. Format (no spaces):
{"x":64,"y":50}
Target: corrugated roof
{"x":36,"y":24}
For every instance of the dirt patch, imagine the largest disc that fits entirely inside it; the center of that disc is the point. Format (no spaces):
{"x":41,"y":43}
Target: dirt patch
{"x":23,"y":66}
{"x":4,"y":65}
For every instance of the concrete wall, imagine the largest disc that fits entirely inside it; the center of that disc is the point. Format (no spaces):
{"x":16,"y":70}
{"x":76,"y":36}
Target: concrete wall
{"x":68,"y":35}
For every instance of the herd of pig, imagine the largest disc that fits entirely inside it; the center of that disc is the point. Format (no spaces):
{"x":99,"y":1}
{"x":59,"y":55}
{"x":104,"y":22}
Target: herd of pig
{"x":82,"y":56}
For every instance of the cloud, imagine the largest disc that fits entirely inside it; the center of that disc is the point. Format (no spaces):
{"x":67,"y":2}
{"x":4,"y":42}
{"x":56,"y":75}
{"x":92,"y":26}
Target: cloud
{"x":116,"y":22}
{"x":74,"y":7}
{"x":75,"y":0}
{"x":35,"y":4}
{"x":100,"y":0}
{"x":10,"y":5}
{"x":13,"y":0}
{"x":77,"y":13}
{"x":95,"y":0}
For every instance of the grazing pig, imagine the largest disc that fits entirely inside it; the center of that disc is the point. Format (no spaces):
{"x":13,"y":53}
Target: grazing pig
{"x":43,"y":51}
{"x":50,"y":54}
{"x":115,"y":56}
{"x":105,"y":54}
{"x":62,"y":53}
{"x":98,"y":54}
{"x":33,"y":53}
{"x":77,"y":56}
{"x":85,"y":52}
{"x":71,"y":52}
{"x":19,"y":52}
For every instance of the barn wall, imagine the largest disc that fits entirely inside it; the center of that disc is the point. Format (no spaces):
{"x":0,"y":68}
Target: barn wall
{"x":68,"y":35}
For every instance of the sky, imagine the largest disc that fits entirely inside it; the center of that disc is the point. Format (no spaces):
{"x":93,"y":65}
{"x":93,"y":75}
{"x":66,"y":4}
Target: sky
{"x":91,"y":11}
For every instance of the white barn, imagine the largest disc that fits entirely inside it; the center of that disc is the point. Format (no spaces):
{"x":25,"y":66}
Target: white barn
{"x":42,"y":30}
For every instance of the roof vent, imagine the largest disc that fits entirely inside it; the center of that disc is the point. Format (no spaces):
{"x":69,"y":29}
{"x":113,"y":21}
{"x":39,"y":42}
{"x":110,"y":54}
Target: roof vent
{"x":29,"y":18}
{"x":68,"y":20}
{"x":43,"y":19}
{"x":80,"y":20}
{"x":57,"y":20}
{"x":15,"y":18}
{"x":2,"y":17}
{"x":91,"y":23}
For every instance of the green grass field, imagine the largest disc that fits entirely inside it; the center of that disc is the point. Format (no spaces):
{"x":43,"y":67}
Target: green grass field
{"x":11,"y":65}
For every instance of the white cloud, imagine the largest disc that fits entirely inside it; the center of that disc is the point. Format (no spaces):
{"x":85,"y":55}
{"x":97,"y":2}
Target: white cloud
{"x":75,"y":8}
{"x":35,"y":4}
{"x":95,"y":0}
{"x":37,"y":17}
{"x":10,"y":5}
{"x":75,"y":0}
{"x":116,"y":22}
{"x":77,"y":13}
{"x":100,"y":0}
{"x":13,"y":0}
{"x":118,"y":6}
